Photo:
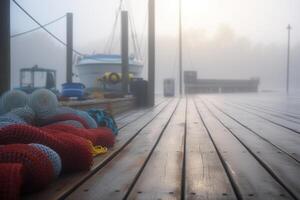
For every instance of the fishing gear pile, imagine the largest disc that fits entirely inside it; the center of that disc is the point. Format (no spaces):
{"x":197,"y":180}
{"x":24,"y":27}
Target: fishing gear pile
{"x":40,"y":140}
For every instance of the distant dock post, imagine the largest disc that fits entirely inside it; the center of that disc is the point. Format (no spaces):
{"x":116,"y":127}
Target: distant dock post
{"x":4,"y":45}
{"x":180,"y":46}
{"x":69,"y":53}
{"x":288,"y":60}
{"x":124,"y":49}
{"x":151,"y":53}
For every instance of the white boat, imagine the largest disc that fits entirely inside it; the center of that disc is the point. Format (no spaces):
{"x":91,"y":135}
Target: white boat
{"x":92,"y":67}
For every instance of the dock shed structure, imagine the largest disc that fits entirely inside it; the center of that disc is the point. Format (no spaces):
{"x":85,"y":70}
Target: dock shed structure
{"x":193,"y":85}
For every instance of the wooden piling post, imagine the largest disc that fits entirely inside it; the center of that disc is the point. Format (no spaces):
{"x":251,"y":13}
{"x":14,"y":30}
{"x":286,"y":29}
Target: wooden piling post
{"x":69,"y":53}
{"x":288,"y":60}
{"x":151,"y":53}
{"x":4,"y":45}
{"x":124,"y":48}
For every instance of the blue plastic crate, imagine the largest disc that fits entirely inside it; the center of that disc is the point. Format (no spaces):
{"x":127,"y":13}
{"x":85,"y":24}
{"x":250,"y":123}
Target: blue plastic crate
{"x":73,"y":90}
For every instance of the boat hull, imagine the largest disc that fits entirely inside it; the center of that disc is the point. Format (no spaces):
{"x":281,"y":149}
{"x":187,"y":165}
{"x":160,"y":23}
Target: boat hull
{"x":89,"y":74}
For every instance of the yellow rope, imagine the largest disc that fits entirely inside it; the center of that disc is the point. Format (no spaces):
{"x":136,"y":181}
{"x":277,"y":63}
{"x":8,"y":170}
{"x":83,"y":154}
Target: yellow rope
{"x":97,"y":150}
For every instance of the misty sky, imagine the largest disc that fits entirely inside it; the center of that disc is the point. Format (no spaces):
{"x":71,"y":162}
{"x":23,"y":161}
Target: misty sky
{"x":259,"y":20}
{"x":260,"y":24}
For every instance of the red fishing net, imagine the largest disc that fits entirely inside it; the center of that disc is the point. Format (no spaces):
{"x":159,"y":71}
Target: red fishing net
{"x":81,"y":132}
{"x":105,"y":136}
{"x":38,"y":170}
{"x":63,"y":117}
{"x":100,"y":136}
{"x":10,"y":181}
{"x":75,"y":152}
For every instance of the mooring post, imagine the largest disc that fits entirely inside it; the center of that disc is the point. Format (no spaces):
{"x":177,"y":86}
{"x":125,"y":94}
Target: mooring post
{"x":288,"y":59}
{"x":69,"y":53}
{"x":124,"y":48}
{"x":151,"y":53}
{"x":4,"y":45}
{"x":180,"y":47}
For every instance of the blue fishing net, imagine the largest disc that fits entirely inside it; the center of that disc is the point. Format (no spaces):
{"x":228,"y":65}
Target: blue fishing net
{"x":9,"y":119}
{"x":90,"y":121}
{"x":13,"y":99}
{"x":43,"y":102}
{"x":71,"y":123}
{"x":53,"y":157}
{"x":25,"y":113}
{"x":65,"y":110}
{"x":82,"y":114}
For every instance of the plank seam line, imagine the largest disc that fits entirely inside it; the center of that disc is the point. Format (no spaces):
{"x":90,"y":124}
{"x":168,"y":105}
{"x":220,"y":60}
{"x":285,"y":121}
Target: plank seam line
{"x":269,"y":112}
{"x":141,"y":115}
{"x":126,"y":115}
{"x":263,"y":138}
{"x":292,"y":115}
{"x":108,"y":159}
{"x":149,"y":110}
{"x":259,"y":160}
{"x":253,"y":109}
{"x":283,"y":126}
{"x":183,"y":173}
{"x":225,"y":166}
{"x":260,"y":103}
{"x":287,"y":113}
{"x":149,"y":155}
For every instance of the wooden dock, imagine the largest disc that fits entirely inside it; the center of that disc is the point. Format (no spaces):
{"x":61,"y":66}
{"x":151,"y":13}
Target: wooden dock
{"x":197,"y":147}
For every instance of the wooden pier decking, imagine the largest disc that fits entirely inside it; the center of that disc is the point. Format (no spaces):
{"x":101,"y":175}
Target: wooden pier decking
{"x":197,"y":147}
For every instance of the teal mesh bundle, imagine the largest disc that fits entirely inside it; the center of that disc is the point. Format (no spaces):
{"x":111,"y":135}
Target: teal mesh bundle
{"x":53,"y":157}
{"x":25,"y":113}
{"x":89,"y":120}
{"x":104,"y":119}
{"x":44,"y":102}
{"x":13,"y":99}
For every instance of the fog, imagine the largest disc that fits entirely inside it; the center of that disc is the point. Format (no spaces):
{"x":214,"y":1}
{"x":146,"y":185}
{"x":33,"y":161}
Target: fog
{"x":224,"y":51}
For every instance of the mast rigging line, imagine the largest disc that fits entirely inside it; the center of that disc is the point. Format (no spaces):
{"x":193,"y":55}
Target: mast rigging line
{"x":37,"y":28}
{"x":109,"y":43}
{"x":136,"y":45}
{"x":45,"y":29}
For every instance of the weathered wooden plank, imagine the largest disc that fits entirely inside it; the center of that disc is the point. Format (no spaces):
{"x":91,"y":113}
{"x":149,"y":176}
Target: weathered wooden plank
{"x":282,"y":166}
{"x":270,"y":111}
{"x":129,"y":113}
{"x":277,"y":109}
{"x":125,"y":121}
{"x":251,"y":178}
{"x":287,"y":140}
{"x":161,"y":177}
{"x":205,"y":176}
{"x":113,"y":181}
{"x":67,"y":183}
{"x":292,"y":124}
{"x":278,"y":103}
